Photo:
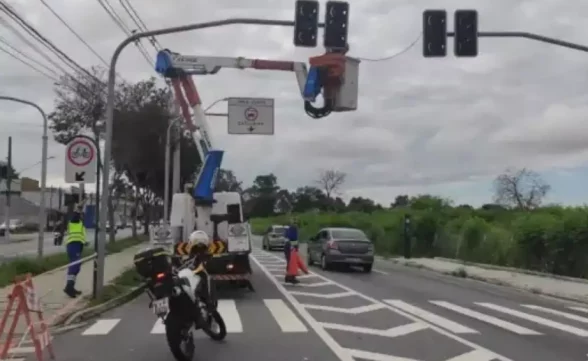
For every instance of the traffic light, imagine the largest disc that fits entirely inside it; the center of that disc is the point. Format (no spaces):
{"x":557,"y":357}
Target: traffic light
{"x":434,"y":33}
{"x":336,"y":25}
{"x":306,"y":23}
{"x":466,"y":33}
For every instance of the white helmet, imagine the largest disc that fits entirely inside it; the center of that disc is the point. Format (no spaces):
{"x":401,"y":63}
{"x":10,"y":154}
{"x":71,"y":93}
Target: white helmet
{"x":199,"y":238}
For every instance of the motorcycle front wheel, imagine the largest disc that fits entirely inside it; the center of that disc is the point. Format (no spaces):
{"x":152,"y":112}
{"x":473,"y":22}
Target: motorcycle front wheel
{"x":215,"y":326}
{"x":179,"y":338}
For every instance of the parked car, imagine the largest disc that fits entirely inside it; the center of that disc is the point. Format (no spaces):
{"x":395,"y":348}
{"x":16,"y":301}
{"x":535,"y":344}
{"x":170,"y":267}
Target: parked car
{"x":343,"y":246}
{"x":13,"y":226}
{"x":274,"y":237}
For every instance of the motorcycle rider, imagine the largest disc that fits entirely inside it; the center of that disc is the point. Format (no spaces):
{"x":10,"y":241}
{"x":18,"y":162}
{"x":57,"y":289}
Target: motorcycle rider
{"x":199,"y":242}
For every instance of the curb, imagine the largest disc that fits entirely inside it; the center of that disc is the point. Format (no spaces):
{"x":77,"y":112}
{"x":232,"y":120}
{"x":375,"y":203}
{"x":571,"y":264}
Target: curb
{"x":82,"y":315}
{"x":512,"y":269}
{"x":494,"y":282}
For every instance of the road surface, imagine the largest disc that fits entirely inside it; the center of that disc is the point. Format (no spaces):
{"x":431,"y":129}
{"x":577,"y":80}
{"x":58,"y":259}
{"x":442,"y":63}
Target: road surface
{"x":29,"y":248}
{"x":396,"y":313}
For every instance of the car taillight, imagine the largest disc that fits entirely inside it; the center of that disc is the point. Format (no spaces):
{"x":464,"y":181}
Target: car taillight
{"x":160,"y":276}
{"x":332,"y":245}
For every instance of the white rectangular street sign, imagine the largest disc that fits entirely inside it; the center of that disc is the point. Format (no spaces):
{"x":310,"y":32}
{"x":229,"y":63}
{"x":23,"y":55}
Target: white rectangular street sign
{"x":81,"y":159}
{"x":251,"y":116}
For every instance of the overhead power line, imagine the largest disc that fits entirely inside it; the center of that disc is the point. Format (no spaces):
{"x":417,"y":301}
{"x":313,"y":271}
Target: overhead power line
{"x":134,"y":15}
{"x":120,"y":23}
{"x":74,"y":32}
{"x":28,"y":57}
{"x":32,"y":45}
{"x":27,"y":64}
{"x":46,"y":42}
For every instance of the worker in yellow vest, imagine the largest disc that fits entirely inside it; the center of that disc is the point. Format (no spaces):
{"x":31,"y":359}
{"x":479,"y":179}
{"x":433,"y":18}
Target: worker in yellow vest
{"x":76,"y":240}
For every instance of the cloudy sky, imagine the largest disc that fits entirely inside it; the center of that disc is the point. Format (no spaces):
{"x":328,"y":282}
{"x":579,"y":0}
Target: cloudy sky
{"x":443,"y":126}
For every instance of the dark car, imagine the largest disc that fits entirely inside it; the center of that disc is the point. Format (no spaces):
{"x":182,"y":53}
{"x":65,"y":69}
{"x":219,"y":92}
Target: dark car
{"x":344,"y":246}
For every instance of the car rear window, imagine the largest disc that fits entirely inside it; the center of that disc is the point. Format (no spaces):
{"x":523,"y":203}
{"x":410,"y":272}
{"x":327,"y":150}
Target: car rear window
{"x":348,"y":234}
{"x":279,"y":230}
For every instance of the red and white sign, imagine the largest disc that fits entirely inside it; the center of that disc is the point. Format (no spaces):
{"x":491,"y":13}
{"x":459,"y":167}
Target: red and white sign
{"x":81,"y":160}
{"x":251,"y":114}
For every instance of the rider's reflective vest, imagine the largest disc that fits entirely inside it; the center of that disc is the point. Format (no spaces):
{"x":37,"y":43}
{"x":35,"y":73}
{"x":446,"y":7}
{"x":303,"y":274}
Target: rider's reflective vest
{"x":76,"y":232}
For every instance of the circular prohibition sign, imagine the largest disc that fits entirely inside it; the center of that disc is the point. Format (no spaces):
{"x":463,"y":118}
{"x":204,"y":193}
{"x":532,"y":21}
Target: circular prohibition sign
{"x":86,"y":155}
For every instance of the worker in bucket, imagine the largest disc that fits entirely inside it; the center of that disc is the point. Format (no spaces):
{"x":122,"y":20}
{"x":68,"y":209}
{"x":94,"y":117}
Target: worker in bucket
{"x":74,"y":245}
{"x":290,"y":244}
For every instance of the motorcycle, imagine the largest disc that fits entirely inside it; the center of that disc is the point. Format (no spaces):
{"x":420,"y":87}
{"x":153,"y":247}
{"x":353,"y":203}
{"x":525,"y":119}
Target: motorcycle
{"x":57,"y":238}
{"x":181,"y":298}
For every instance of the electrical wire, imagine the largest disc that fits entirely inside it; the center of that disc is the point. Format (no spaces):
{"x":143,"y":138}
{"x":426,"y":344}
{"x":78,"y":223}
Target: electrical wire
{"x":46,"y":42}
{"x":390,"y":57}
{"x":74,"y":32}
{"x":120,"y":23}
{"x":134,"y":15}
{"x":29,"y":58}
{"x":32,"y":45}
{"x":27,"y":64}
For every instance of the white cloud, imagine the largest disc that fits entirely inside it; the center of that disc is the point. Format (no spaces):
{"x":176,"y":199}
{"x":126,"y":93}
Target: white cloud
{"x":422,"y":124}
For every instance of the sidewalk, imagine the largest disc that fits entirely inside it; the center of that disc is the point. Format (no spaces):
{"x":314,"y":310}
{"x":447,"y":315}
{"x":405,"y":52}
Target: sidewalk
{"x":49,"y":286}
{"x":574,"y":289}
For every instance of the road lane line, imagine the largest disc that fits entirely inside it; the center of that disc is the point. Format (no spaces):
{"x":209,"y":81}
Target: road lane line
{"x":431,"y":317}
{"x":228,"y":309}
{"x":475,"y":355}
{"x":569,"y":316}
{"x":158,"y":327}
{"x":580,"y":309}
{"x":101,"y":327}
{"x":345,"y":354}
{"x":486,"y":318}
{"x":540,"y":320}
{"x":286,"y":319}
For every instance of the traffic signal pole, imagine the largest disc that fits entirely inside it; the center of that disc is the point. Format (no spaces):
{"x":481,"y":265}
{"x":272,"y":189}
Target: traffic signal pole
{"x":530,"y":36}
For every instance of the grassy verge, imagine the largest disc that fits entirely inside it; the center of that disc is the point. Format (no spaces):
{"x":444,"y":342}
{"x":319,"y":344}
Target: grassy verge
{"x":123,"y":283}
{"x":34,"y":266}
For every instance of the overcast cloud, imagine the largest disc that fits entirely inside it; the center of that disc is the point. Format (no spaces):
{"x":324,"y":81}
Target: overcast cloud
{"x":445,"y":126}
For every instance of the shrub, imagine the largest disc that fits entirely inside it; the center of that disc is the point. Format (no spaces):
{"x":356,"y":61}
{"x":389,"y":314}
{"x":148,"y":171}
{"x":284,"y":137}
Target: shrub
{"x":552,"y":239}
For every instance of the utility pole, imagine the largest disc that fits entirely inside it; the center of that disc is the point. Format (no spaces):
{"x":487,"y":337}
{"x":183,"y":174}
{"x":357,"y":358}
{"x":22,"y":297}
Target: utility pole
{"x":8,"y":190}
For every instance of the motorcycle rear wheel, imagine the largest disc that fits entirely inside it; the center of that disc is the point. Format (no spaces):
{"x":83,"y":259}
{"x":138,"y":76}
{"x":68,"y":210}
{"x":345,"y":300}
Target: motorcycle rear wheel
{"x":179,"y":339}
{"x":217,"y":334}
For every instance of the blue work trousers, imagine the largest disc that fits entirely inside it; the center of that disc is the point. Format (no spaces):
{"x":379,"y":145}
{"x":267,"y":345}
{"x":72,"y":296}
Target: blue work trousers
{"x":74,"y":253}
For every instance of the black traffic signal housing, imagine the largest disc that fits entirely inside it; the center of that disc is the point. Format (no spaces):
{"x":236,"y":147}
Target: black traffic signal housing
{"x":466,"y":33}
{"x":306,"y":23}
{"x":336,"y":25}
{"x":434,"y":33}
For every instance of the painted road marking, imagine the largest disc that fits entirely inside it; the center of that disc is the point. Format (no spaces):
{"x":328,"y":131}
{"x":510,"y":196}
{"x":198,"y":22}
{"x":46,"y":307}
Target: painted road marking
{"x":391,"y":332}
{"x":228,"y":309}
{"x":580,"y":309}
{"x":286,"y":319}
{"x":569,"y":316}
{"x":101,"y":327}
{"x":540,"y":320}
{"x":158,"y":327}
{"x":431,"y":317}
{"x":345,"y":354}
{"x":486,"y":318}
{"x":350,"y":311}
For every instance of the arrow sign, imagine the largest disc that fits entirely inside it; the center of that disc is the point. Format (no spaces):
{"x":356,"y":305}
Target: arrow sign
{"x":251,"y":129}
{"x":80,"y":176}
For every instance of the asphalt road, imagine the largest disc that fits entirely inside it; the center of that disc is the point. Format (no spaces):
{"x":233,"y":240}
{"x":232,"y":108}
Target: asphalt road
{"x":396,"y":313}
{"x":29,"y":248}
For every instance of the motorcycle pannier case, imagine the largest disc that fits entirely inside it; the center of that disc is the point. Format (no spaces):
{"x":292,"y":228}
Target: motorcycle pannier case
{"x":152,"y":261}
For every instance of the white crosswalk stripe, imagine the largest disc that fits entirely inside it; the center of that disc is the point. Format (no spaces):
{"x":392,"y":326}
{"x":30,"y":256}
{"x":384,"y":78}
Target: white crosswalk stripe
{"x":486,"y":318}
{"x":286,"y":320}
{"x":536,"y":319}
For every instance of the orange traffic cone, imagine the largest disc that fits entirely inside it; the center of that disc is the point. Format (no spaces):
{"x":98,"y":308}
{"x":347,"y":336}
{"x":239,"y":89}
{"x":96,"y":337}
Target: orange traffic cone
{"x":295,"y":264}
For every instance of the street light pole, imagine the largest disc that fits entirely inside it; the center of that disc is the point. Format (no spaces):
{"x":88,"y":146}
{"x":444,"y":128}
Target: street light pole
{"x":42,"y":217}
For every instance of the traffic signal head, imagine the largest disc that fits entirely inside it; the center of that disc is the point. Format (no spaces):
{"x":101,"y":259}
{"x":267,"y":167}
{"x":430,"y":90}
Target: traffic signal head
{"x":434,"y":33}
{"x":306,"y":23}
{"x":336,"y":25}
{"x":466,"y":33}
